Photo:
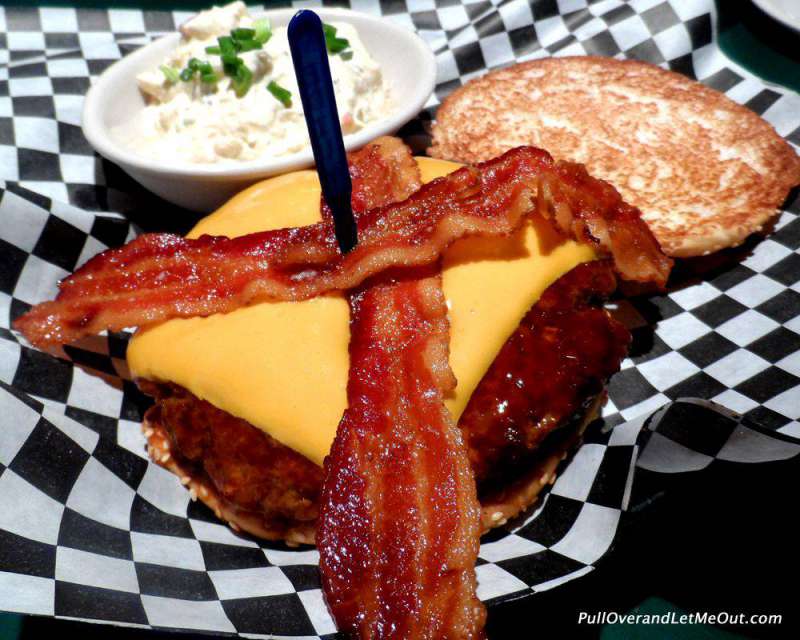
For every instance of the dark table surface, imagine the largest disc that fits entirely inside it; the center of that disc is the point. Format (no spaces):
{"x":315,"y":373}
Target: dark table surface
{"x":731,"y":562}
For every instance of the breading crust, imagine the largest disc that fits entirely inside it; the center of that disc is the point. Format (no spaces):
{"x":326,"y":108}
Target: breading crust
{"x":497,"y":507}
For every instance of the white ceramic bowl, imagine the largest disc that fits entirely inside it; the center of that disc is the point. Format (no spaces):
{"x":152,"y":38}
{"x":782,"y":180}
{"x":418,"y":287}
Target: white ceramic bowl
{"x":409,"y":69}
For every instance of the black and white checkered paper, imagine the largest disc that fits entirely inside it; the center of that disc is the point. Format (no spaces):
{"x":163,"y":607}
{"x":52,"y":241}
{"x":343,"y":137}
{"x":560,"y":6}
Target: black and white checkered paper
{"x":89,"y":529}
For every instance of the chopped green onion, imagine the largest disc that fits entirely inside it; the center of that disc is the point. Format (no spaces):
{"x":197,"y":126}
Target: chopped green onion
{"x":229,"y":67}
{"x":247,"y":45}
{"x":229,"y":47}
{"x":242,"y":80}
{"x":263,"y":31}
{"x":333,"y":43}
{"x":284,"y":96}
{"x":170,"y":74}
{"x":243,"y":34}
{"x":337,"y":45}
{"x":226,"y":46}
{"x":239,"y":41}
{"x":196,"y":66}
{"x":230,"y":59}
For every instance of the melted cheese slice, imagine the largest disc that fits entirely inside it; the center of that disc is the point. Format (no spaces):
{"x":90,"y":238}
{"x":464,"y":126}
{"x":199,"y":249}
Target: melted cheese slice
{"x":283,"y":366}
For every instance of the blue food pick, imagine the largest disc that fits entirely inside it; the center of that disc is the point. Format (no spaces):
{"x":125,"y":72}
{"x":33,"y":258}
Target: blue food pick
{"x":310,"y":58}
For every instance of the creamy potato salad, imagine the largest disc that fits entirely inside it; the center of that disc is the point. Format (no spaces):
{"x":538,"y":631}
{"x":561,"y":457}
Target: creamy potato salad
{"x":228,"y":92}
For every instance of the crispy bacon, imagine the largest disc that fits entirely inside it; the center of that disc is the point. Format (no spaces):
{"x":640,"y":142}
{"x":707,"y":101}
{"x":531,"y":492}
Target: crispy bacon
{"x":383,"y":172}
{"x":412,"y":509}
{"x":399,"y":531}
{"x":161,"y":276}
{"x":592,"y":210}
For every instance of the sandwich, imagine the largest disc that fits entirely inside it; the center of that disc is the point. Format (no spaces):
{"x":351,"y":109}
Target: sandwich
{"x":247,"y":403}
{"x":392,"y":403}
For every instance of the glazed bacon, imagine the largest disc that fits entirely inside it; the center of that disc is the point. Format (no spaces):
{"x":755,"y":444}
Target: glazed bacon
{"x":381,"y":173}
{"x":162,"y":276}
{"x":399,"y":530}
{"x":399,"y":527}
{"x":592,"y":210}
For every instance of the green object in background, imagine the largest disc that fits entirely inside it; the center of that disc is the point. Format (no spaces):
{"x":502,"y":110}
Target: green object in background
{"x":760,"y":44}
{"x":10,"y":625}
{"x":657,"y":606}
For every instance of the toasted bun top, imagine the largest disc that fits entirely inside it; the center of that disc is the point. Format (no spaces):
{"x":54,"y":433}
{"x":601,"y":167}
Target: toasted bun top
{"x":705,"y":171}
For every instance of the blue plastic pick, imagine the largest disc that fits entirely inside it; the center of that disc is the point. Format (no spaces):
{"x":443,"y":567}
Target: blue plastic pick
{"x":310,"y":57}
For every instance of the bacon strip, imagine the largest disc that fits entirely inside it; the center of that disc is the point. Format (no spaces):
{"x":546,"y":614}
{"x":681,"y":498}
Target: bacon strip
{"x":399,"y":526}
{"x":592,"y":210}
{"x":382,"y":173}
{"x":161,"y":276}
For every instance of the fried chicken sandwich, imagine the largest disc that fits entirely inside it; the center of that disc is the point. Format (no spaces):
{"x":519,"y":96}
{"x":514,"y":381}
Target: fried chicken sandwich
{"x":391,"y":403}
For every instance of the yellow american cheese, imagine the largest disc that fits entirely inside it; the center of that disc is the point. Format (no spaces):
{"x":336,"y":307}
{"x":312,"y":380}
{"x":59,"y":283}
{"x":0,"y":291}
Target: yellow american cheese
{"x":283,"y":366}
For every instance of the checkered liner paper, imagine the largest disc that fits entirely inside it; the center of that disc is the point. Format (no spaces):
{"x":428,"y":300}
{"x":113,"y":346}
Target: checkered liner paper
{"x":89,"y":529}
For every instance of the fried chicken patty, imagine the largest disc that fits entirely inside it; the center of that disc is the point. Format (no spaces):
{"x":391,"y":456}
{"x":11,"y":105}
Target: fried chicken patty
{"x":525,"y":413}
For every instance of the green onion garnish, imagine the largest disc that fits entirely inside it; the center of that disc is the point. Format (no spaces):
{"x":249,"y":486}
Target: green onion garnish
{"x":170,"y":74}
{"x":242,"y":80}
{"x":209,"y":77}
{"x":195,"y":66}
{"x":334,"y":44}
{"x":226,"y":46}
{"x":247,"y":45}
{"x":243,"y":34}
{"x":337,"y":45}
{"x":263,"y":31}
{"x":245,"y":39}
{"x":284,"y":96}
